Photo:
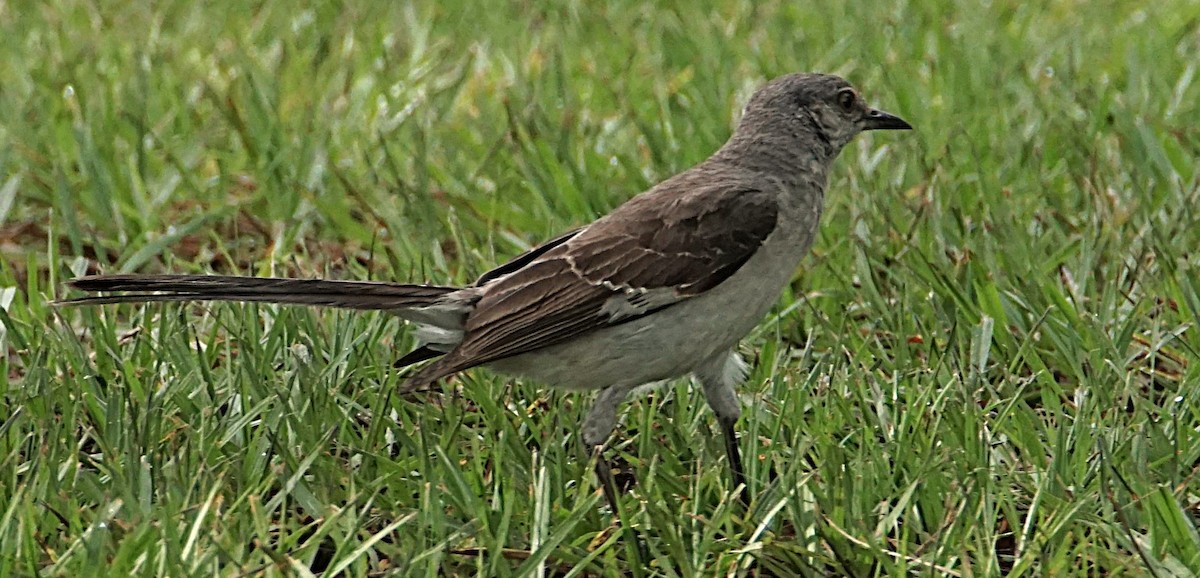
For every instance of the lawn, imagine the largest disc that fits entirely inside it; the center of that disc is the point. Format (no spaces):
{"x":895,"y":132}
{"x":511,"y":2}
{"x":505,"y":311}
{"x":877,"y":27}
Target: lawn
{"x":989,"y":365}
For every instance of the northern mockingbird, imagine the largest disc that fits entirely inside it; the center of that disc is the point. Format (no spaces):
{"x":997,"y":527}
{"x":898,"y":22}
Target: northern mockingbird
{"x":663,"y":286}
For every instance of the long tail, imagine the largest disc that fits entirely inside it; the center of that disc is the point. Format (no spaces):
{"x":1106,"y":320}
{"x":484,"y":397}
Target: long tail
{"x":366,"y":295}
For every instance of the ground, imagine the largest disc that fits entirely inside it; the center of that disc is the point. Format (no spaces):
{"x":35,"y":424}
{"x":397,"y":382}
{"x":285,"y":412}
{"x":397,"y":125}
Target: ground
{"x":988,"y":365}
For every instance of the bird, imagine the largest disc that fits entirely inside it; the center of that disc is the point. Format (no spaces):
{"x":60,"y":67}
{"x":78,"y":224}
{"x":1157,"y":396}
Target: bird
{"x":664,"y":286}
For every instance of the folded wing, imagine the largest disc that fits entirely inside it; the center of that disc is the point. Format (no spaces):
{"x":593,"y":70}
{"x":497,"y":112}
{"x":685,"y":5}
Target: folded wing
{"x":649,"y":254}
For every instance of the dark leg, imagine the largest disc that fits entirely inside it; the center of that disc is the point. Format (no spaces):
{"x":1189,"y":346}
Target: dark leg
{"x":604,"y":474}
{"x":719,"y":377}
{"x":597,"y":427}
{"x":734,"y":455}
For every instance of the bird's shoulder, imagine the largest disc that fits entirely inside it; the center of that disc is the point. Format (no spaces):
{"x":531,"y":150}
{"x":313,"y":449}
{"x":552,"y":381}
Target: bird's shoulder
{"x":688,"y":233}
{"x":704,"y":215}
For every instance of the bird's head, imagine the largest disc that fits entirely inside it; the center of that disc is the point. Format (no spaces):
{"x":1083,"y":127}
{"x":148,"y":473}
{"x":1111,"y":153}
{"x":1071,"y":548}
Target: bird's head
{"x":813,"y":105}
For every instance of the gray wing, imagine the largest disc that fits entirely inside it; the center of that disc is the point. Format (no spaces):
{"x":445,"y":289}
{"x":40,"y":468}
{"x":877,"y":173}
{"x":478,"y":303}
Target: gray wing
{"x":651,"y":253}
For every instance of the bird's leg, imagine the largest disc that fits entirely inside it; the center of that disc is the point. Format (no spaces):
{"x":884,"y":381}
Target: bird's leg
{"x":718,"y":378}
{"x":733,"y":454}
{"x":597,"y":427}
{"x":599,"y":424}
{"x":604,"y":474}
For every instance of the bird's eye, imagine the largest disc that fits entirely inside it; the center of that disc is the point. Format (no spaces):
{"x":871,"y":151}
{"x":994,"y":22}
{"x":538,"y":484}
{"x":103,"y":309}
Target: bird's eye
{"x":846,"y":99}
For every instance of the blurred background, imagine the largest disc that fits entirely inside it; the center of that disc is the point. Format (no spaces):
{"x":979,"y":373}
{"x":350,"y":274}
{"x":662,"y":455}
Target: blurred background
{"x":988,"y":366}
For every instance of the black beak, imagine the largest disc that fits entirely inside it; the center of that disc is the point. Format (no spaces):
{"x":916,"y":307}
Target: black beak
{"x":879,"y":120}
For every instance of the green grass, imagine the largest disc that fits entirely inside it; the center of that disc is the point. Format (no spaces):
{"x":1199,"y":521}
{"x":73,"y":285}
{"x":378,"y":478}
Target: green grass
{"x":990,"y":364}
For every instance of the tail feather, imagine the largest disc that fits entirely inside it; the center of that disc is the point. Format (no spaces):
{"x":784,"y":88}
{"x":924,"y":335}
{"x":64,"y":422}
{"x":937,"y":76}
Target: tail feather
{"x":422,"y":353}
{"x":363,"y":295}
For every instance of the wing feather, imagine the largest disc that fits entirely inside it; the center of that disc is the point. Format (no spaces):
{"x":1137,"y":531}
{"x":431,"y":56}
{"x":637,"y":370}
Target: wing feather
{"x":641,"y":258}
